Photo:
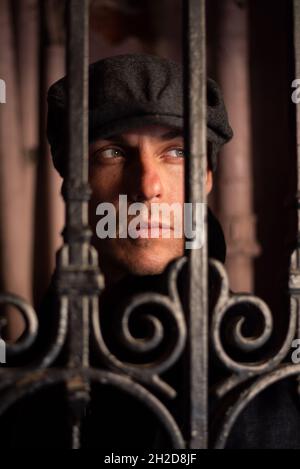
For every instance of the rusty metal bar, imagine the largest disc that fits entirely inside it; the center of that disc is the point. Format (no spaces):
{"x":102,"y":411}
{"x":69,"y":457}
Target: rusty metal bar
{"x":74,"y":256}
{"x":195,"y":143}
{"x":75,"y":253}
{"x":77,"y":192}
{"x":294,"y":278}
{"x":297,"y":73}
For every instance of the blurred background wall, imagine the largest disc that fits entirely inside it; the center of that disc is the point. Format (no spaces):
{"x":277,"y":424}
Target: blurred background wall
{"x":250,"y":54}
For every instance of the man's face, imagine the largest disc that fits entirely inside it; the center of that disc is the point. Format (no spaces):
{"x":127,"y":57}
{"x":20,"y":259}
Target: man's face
{"x":146,"y":165}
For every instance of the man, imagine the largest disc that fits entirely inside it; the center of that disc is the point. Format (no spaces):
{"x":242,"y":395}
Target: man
{"x":136,"y":149}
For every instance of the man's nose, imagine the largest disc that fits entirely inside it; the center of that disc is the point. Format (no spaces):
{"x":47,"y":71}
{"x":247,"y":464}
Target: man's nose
{"x":145,"y":184}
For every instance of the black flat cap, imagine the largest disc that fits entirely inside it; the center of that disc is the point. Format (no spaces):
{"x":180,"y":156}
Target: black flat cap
{"x":129,"y":91}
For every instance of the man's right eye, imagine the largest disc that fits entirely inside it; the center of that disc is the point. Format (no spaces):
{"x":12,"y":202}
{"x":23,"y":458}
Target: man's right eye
{"x":109,"y":153}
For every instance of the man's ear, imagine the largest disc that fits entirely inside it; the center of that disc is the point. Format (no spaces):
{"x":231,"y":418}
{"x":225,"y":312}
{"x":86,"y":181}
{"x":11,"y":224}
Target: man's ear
{"x":209,"y":181}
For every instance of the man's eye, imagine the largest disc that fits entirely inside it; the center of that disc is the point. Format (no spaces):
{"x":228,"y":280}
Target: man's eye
{"x":110,"y":153}
{"x":176,"y":153}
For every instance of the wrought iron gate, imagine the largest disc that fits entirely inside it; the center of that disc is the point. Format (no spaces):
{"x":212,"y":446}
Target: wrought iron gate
{"x":71,"y":361}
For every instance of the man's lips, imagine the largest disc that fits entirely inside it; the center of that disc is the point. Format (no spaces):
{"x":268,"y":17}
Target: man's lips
{"x":146,"y":229}
{"x":153,"y":230}
{"x":154,"y":225}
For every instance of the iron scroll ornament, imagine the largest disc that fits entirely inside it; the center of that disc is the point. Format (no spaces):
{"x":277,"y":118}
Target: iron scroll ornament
{"x":247,"y":378}
{"x":19,"y":382}
{"x":143,"y":379}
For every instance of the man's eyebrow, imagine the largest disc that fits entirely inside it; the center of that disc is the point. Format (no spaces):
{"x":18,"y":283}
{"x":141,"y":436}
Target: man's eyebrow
{"x":171,"y":134}
{"x":116,"y":138}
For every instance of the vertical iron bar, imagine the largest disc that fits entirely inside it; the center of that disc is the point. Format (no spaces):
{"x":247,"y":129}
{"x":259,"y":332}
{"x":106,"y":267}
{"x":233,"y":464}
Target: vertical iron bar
{"x":77,"y":66}
{"x":297,"y":71}
{"x":75,"y":256}
{"x":294,"y":284}
{"x":76,"y":190}
{"x":195,"y":143}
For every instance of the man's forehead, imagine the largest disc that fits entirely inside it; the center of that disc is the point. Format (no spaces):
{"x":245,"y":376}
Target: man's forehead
{"x":152,"y":131}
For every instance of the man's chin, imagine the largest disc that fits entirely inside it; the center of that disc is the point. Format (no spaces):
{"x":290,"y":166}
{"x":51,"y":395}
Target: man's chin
{"x":141,"y":258}
{"x":146,"y":265}
{"x":140,"y":266}
{"x":146,"y":269}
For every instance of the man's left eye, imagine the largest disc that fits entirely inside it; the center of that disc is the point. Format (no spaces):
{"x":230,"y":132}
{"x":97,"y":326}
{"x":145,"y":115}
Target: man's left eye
{"x":109,"y":153}
{"x":175,"y":153}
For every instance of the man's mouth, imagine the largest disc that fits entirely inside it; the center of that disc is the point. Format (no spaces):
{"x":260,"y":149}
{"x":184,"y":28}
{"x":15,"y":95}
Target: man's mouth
{"x":152,"y":229}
